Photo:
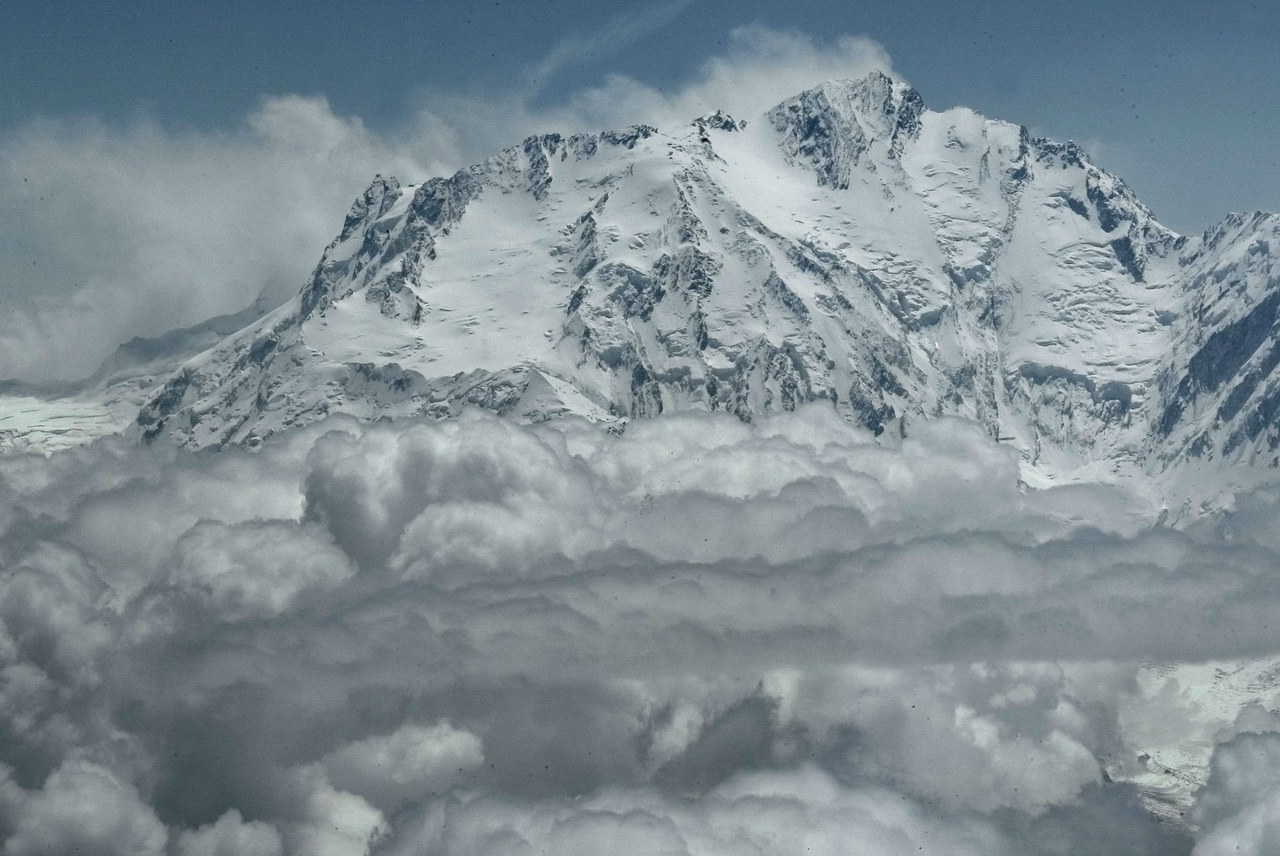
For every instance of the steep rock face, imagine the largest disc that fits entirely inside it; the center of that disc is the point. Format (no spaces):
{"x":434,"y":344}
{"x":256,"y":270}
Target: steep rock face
{"x":848,"y":246}
{"x":1220,"y":391}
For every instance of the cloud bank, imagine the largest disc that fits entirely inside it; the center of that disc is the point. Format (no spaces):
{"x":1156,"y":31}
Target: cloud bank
{"x":110,"y":231}
{"x":701,"y":637}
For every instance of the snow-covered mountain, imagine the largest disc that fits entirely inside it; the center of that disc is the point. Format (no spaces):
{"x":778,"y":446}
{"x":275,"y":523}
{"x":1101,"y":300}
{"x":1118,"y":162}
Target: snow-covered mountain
{"x":848,"y":245}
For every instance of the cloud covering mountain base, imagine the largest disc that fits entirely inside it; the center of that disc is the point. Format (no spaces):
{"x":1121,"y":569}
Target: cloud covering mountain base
{"x":700,"y":637}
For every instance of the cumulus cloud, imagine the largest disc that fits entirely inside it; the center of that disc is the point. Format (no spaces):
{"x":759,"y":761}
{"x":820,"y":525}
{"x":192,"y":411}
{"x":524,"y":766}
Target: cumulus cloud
{"x":414,"y":636}
{"x":83,"y":808}
{"x":109,"y":231}
{"x":410,"y":762}
{"x":331,"y":822}
{"x":1239,"y":809}
{"x":254,"y":569}
{"x":230,"y":835}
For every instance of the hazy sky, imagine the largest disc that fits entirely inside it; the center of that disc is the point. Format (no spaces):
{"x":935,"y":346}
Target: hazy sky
{"x":1178,"y":97}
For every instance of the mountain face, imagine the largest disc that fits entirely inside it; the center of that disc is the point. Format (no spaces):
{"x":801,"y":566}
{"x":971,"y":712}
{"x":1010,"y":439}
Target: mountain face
{"x":848,"y":246}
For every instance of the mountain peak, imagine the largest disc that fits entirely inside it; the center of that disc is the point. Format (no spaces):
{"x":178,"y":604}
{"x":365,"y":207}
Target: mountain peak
{"x":875,"y":89}
{"x":836,"y":124}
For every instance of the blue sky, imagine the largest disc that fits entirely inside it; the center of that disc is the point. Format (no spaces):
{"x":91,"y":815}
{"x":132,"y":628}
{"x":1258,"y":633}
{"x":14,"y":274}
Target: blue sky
{"x":164,"y":162}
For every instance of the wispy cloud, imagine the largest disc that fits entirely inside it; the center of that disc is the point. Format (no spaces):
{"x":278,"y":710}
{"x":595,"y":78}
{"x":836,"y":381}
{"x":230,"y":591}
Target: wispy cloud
{"x":109,"y":231}
{"x":618,"y":34}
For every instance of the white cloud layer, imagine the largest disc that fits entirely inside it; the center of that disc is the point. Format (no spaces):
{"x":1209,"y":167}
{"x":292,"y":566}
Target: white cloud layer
{"x":111,"y":231}
{"x":702,"y":637}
